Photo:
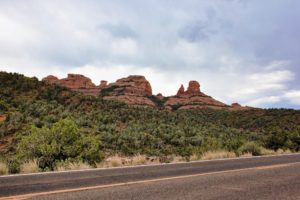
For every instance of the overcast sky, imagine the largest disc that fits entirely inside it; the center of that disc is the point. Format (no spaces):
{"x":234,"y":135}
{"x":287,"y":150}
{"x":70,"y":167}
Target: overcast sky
{"x":245,"y":51}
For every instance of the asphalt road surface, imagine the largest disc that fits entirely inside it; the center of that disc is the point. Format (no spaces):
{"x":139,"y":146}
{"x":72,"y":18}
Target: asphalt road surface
{"x":276,"y":177}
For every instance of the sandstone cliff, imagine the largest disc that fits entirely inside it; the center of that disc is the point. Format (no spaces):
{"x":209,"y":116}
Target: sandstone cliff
{"x":133,"y":90}
{"x":136,"y":90}
{"x":75,"y":82}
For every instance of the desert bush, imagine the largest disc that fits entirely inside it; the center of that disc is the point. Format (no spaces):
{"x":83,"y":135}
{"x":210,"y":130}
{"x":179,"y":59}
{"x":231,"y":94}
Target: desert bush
{"x":59,"y":142}
{"x":281,"y":151}
{"x":13,"y":166}
{"x":251,"y":147}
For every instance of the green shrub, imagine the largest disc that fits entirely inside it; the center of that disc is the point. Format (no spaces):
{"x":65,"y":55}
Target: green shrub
{"x":251,"y":147}
{"x":59,"y":142}
{"x":13,"y":166}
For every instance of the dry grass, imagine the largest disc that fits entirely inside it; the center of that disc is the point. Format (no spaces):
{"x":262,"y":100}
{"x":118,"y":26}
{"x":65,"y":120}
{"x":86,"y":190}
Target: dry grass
{"x":177,"y":159}
{"x":268,"y":152}
{"x":195,"y":157}
{"x":73,"y":166}
{"x":114,"y":161}
{"x":117,"y":161}
{"x":219,"y":154}
{"x":30,"y":167}
{"x":139,"y":160}
{"x":246,"y":155}
{"x":272,"y":152}
{"x":3,"y":169}
{"x":281,"y":151}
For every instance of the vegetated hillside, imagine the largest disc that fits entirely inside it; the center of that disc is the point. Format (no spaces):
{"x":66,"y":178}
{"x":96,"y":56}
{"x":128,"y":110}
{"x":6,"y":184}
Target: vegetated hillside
{"x":52,"y":124}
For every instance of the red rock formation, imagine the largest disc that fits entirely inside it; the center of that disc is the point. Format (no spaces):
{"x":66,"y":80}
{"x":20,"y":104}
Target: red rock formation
{"x":133,"y":90}
{"x":137,"y":85}
{"x":50,"y":79}
{"x":194,"y":88}
{"x":180,"y":91}
{"x":103,"y":84}
{"x":136,"y":90}
{"x":77,"y":81}
{"x":193,"y":99}
{"x":236,"y":105}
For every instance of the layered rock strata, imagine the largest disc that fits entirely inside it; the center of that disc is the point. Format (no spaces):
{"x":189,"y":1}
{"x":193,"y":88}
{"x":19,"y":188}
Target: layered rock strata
{"x":136,"y":90}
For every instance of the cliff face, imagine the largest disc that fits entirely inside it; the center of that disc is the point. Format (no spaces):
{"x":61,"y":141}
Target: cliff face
{"x":136,"y":90}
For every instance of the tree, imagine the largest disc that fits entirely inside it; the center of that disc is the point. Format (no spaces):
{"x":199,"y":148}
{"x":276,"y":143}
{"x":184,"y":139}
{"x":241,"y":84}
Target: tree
{"x":58,"y":143}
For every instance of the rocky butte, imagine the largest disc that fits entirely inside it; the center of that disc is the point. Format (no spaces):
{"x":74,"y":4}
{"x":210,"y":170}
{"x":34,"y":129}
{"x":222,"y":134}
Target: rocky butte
{"x":193,"y":98}
{"x":136,"y":90}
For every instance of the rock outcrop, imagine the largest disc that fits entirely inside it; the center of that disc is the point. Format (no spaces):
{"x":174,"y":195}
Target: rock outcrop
{"x":194,"y":88}
{"x":75,"y":82}
{"x":159,"y":96}
{"x":133,"y":90}
{"x":180,"y":91}
{"x":136,"y":90}
{"x":103,"y":84}
{"x":193,"y":98}
{"x":237,"y":106}
{"x":134,"y":85}
{"x":51,"y":79}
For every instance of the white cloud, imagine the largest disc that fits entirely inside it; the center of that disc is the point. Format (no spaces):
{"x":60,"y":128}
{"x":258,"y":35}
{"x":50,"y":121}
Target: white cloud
{"x":271,"y":77}
{"x":124,"y":47}
{"x":293,"y":96}
{"x":264,"y":100}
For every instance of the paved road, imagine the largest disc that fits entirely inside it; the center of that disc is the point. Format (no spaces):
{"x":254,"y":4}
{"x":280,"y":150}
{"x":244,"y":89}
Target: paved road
{"x":248,"y":178}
